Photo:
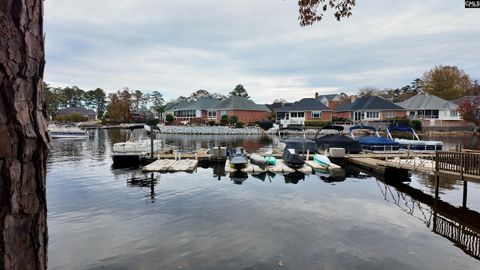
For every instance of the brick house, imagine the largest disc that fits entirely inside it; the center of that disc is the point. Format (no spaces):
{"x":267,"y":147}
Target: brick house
{"x":303,"y":110}
{"x":198,"y":111}
{"x":91,"y":115}
{"x":433,"y":111}
{"x":245,"y":109}
{"x":369,"y":109}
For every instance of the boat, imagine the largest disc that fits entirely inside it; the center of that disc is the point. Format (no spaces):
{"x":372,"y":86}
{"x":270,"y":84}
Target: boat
{"x":374,"y":143}
{"x":335,"y":139}
{"x":67,"y":132}
{"x":301,"y":145}
{"x":132,"y":150}
{"x":322,"y":160}
{"x":258,"y":160}
{"x":414,"y":144}
{"x":292,"y":159}
{"x":238,"y":160}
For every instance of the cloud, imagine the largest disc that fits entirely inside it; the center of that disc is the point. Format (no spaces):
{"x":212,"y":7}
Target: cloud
{"x":177,"y":47}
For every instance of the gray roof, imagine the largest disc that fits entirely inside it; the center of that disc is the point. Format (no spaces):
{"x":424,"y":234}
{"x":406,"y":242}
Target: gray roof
{"x":427,"y":102}
{"x":71,"y":110}
{"x":368,"y":103}
{"x":201,"y":104}
{"x":328,"y":97}
{"x":240,"y":103}
{"x":305,"y":104}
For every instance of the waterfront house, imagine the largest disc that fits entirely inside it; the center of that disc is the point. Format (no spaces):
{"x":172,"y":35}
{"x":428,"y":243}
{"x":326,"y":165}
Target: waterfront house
{"x":369,"y":109}
{"x":303,"y":110}
{"x":198,"y":111}
{"x":246,"y":110}
{"x":91,"y":115}
{"x":432,"y":110}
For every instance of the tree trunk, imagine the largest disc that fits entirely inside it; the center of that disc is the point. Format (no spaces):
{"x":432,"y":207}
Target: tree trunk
{"x":23,"y":136}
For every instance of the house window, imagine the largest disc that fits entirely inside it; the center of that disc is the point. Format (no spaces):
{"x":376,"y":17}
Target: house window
{"x":372,"y":115}
{"x":316,"y":114}
{"x":301,"y":114}
{"x":297,"y":114}
{"x":293,"y":114}
{"x":223,"y":113}
{"x":390,"y":115}
{"x":212,"y":114}
{"x":453,"y":113}
{"x":431,"y":114}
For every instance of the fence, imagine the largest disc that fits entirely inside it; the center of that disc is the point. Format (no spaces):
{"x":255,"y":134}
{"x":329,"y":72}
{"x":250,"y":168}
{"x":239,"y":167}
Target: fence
{"x":460,"y":162}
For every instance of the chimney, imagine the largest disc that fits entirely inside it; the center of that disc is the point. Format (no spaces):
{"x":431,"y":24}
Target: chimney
{"x":353,"y":98}
{"x":316,"y":95}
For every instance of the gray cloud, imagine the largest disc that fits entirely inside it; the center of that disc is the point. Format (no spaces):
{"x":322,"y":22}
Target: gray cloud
{"x":180,"y":46}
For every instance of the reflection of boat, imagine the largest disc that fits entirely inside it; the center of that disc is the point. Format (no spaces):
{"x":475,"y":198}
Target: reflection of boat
{"x":238,"y":177}
{"x":260,"y":176}
{"x":238,"y":160}
{"x":415,"y":143}
{"x":258,"y":160}
{"x":334,"y":139}
{"x":294,"y":177}
{"x":131,"y":151}
{"x":67,"y":132}
{"x":292,"y":159}
{"x":301,"y":145}
{"x":374,"y":143}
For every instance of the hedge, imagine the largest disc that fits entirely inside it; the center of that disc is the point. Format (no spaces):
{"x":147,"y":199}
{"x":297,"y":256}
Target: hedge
{"x":316,"y":123}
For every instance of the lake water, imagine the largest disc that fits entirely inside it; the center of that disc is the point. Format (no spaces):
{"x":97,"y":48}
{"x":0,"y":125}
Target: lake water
{"x":105,"y":218}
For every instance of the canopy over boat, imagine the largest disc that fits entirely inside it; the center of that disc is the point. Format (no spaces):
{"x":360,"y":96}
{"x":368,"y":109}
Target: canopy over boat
{"x":400,"y":128}
{"x":301,"y":145}
{"x":363,"y":127}
{"x":374,"y":140}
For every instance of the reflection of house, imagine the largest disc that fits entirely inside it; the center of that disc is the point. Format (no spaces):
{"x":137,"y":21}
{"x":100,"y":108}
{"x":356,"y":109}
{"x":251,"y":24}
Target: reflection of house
{"x":245,"y":109}
{"x":90,"y":114}
{"x":369,"y":108}
{"x":302,"y":110}
{"x":330,"y":100}
{"x":434,"y":111}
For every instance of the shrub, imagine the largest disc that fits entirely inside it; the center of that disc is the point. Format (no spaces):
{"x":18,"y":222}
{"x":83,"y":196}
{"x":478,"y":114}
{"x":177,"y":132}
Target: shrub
{"x":239,"y":125}
{"x":73,"y":117}
{"x":416,"y":124}
{"x":211,"y":123}
{"x":316,"y":123}
{"x":233,"y":119}
{"x":224,"y":120}
{"x":152,"y":122}
{"x":169,"y":118}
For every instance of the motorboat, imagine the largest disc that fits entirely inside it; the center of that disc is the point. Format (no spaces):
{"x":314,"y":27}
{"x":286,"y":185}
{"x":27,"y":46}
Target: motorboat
{"x":133,"y":150}
{"x":414,"y":144}
{"x":67,"y":132}
{"x":334,"y":138}
{"x":238,"y":159}
{"x":322,"y":160}
{"x":301,"y":145}
{"x":373,"y":143}
{"x":292,"y":158}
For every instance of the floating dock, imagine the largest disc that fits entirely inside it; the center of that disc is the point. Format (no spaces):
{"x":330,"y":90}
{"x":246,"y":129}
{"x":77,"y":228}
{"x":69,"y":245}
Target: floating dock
{"x":170,"y":165}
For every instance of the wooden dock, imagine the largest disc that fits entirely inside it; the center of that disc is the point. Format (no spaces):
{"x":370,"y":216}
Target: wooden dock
{"x":171,"y":165}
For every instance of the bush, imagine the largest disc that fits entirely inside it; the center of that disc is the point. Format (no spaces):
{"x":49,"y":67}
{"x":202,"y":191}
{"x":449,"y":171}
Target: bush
{"x":265,"y":124}
{"x":224,"y":120}
{"x":239,"y":125}
{"x":316,"y":123}
{"x":416,"y":124}
{"x":169,"y":118}
{"x":152,"y":122}
{"x":73,"y":117}
{"x":211,"y":123}
{"x":233,"y":119}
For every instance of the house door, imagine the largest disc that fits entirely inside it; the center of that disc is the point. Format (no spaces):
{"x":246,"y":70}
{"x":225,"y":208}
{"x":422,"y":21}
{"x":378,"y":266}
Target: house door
{"x":357,"y":116}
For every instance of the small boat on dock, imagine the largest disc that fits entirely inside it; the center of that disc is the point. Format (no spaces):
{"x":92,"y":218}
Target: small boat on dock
{"x":374,"y":143}
{"x":301,"y":145}
{"x":292,"y":158}
{"x":414,"y":144}
{"x":238,"y":159}
{"x":258,"y":160}
{"x":133,"y":150}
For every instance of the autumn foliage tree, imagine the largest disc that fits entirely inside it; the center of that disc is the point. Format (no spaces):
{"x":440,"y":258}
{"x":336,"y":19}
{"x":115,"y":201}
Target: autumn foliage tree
{"x":447,"y":82}
{"x":470,"y":110}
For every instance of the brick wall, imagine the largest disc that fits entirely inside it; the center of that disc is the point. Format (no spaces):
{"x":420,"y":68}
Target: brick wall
{"x":397,"y":114}
{"x":245,"y":117}
{"x":345,"y":115}
{"x":326,"y":116}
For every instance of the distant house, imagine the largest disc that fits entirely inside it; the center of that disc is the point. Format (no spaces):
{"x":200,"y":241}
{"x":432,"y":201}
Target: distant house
{"x":199,"y":111}
{"x":302,"y":110}
{"x":91,"y":115}
{"x":245,"y":109}
{"x":330,"y":100}
{"x":432,"y":110}
{"x":369,"y":109}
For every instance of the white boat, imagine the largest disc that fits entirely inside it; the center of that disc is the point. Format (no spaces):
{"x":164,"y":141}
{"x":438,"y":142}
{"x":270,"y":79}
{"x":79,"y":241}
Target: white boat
{"x":414,"y":144}
{"x":67,"y":132}
{"x":133,"y":150}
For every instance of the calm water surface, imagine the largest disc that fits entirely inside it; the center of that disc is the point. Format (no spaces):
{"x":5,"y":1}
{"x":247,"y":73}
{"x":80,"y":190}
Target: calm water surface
{"x":104,"y":218}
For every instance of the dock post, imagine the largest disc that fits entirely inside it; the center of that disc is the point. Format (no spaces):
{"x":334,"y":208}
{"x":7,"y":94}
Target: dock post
{"x":151,"y":141}
{"x":465,"y":192}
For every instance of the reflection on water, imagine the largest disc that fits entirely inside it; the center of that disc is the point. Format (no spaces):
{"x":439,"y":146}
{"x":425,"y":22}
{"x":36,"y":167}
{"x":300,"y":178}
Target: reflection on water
{"x":106,"y":218}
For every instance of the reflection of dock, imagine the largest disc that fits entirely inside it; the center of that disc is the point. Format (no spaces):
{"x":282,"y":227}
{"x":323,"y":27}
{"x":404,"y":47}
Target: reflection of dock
{"x":459,"y":225}
{"x":279,"y":167}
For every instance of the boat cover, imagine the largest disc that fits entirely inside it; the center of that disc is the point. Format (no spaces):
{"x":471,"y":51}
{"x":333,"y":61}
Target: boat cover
{"x":301,"y":145}
{"x":339,"y":141}
{"x":374,"y":140}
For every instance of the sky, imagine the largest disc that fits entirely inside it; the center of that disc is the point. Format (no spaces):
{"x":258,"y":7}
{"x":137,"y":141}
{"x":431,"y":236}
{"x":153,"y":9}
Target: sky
{"x":177,"y":47}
